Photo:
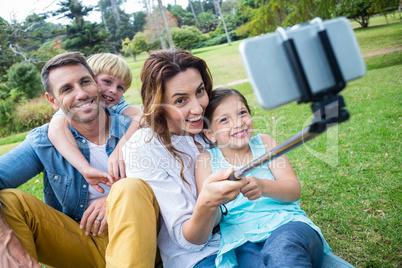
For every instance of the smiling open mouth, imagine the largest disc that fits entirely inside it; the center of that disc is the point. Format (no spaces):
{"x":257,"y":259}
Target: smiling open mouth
{"x":108,"y":98}
{"x":240,"y":134}
{"x":195,"y":121}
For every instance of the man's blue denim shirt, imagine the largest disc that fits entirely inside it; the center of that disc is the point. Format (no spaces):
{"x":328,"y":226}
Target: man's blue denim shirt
{"x":64,"y":188}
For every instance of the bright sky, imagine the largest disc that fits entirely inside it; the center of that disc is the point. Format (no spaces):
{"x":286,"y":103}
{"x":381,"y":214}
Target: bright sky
{"x":20,"y":9}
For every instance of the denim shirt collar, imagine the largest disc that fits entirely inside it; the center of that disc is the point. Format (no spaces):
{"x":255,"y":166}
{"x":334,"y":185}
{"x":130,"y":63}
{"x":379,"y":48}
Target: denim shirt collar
{"x":114,"y":135}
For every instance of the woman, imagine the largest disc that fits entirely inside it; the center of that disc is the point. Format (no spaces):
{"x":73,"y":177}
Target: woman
{"x":175,"y":92}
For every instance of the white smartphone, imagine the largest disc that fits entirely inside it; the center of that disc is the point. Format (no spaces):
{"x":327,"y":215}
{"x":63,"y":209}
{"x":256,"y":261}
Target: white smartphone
{"x":269,"y":70}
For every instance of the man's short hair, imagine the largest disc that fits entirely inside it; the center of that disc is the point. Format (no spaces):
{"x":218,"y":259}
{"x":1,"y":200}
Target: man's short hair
{"x":64,"y":59}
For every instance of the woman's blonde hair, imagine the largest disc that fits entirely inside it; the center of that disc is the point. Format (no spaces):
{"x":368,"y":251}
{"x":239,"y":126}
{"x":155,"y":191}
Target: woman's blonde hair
{"x":161,"y":66}
{"x":111,"y":64}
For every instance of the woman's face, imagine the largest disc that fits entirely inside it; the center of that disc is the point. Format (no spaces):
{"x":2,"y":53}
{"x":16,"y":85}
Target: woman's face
{"x":184,"y":101}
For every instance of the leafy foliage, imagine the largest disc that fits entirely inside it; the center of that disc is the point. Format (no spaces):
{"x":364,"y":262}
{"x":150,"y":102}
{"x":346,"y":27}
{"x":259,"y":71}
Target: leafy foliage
{"x":207,"y":21}
{"x":186,"y":37}
{"x":139,"y":21}
{"x":32,"y":113}
{"x":24,"y":81}
{"x":119,"y":28}
{"x":359,"y":10}
{"x":135,"y":46}
{"x":182,"y":16}
{"x":154,"y":21}
{"x":7,"y":108}
{"x":73,"y":9}
{"x":88,"y":39}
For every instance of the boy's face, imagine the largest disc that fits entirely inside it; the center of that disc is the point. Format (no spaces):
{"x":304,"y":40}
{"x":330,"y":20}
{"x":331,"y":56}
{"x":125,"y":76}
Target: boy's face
{"x":111,"y":89}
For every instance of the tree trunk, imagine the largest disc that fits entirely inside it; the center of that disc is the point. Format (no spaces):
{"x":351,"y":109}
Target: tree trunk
{"x":115,"y":10}
{"x":202,"y":7}
{"x":158,"y":27}
{"x":78,"y":18}
{"x":192,"y":10}
{"x":102,"y":15}
{"x":165,"y":21}
{"x":218,"y":8}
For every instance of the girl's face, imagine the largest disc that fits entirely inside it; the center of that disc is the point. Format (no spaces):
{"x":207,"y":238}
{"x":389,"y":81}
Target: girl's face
{"x":184,"y":101}
{"x":111,"y":88}
{"x":231,"y":124}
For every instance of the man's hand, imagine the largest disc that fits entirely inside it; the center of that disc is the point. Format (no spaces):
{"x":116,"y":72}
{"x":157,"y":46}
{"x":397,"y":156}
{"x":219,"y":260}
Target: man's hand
{"x":12,"y":253}
{"x":116,"y":165}
{"x":94,"y":176}
{"x":95,"y":215}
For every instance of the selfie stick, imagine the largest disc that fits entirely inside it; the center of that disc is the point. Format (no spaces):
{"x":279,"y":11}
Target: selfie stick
{"x":327,"y":107}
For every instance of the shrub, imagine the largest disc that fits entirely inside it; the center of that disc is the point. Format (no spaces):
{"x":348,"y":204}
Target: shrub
{"x":7,"y":108}
{"x":186,"y":37}
{"x":24,"y":81}
{"x":32,"y":113}
{"x":4,"y":91}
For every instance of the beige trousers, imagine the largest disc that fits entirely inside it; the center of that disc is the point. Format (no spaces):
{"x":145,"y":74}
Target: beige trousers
{"x":54,"y":239}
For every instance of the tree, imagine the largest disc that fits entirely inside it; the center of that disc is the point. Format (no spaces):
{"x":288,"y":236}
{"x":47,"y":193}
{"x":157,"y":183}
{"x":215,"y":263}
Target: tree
{"x":119,"y":24}
{"x":165,"y":22}
{"x":73,"y":9}
{"x":265,"y":16}
{"x":7,"y":57}
{"x":155,"y":25}
{"x":24,"y":81}
{"x":186,"y":37}
{"x":89,"y":39}
{"x":139,"y":21}
{"x":207,"y":22}
{"x":135,"y":46}
{"x":190,"y":4}
{"x":86,"y":37}
{"x":182,"y":16}
{"x":358,"y":10}
{"x":219,"y":12}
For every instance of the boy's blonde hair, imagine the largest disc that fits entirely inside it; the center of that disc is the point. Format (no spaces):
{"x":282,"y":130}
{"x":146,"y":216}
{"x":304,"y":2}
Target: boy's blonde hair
{"x":111,"y":64}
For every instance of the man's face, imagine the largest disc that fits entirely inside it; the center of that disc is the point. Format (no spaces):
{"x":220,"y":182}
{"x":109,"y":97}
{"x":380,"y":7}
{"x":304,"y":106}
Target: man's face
{"x":75,"y":92}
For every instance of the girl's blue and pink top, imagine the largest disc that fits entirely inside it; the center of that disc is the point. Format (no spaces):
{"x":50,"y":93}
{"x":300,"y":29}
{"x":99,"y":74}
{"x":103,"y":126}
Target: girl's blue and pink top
{"x":253,"y":221}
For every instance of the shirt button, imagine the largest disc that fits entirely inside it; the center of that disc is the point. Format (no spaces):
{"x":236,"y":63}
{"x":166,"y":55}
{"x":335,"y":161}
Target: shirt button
{"x":56,"y":177}
{"x":84,"y":186}
{"x":83,"y":141}
{"x":81,"y":206}
{"x":76,"y":219}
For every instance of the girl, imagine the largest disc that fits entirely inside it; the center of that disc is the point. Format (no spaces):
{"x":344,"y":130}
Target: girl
{"x":175,"y":92}
{"x":264,"y":226}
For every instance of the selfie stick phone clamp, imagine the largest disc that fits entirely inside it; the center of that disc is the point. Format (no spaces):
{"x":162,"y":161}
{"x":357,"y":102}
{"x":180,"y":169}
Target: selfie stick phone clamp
{"x":327,"y":106}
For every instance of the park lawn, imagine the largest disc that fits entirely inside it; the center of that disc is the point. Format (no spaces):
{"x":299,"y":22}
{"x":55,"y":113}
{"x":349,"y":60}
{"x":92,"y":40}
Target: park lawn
{"x":350,"y":175}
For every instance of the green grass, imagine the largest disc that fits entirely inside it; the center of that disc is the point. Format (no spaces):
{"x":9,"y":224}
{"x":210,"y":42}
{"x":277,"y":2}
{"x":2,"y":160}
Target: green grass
{"x":13,"y":139}
{"x":380,"y":20}
{"x":379,"y":37}
{"x":350,"y":175}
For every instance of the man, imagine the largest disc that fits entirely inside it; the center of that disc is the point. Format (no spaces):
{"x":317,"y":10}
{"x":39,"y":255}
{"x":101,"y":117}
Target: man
{"x":123,"y":224}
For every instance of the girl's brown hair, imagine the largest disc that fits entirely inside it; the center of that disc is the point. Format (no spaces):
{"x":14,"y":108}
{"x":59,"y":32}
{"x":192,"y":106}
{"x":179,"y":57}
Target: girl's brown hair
{"x":216,"y":98}
{"x":161,"y":66}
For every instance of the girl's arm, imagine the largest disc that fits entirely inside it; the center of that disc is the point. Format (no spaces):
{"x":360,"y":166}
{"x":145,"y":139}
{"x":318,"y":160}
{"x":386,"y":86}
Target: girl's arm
{"x":285,"y":187}
{"x":214,"y":190}
{"x":116,"y":163}
{"x":62,"y":139}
